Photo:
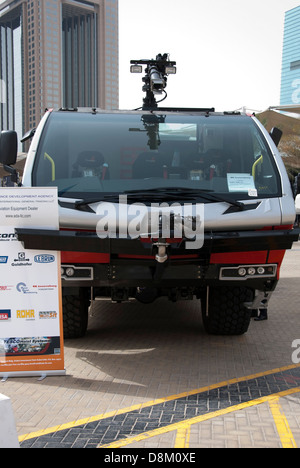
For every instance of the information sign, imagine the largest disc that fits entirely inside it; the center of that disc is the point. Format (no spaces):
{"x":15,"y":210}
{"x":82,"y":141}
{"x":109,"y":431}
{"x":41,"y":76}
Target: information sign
{"x":31,"y":332}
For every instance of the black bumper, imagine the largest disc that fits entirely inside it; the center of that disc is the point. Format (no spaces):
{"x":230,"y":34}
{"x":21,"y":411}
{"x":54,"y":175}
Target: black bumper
{"x":185,"y":268}
{"x":214,"y":242}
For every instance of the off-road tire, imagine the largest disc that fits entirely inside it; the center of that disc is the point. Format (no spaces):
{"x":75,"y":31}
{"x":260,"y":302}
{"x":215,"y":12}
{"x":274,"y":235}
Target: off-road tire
{"x":227,"y":314}
{"x":75,"y":314}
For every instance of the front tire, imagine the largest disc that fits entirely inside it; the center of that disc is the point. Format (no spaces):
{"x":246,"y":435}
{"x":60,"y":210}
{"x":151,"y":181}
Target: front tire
{"x":225,"y":313}
{"x":75,"y":314}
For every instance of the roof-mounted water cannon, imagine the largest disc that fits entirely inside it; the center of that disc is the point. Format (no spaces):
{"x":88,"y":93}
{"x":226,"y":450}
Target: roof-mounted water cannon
{"x":155,"y":78}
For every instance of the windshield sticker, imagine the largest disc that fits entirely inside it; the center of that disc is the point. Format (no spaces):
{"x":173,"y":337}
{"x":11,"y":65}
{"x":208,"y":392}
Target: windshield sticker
{"x":252,"y":192}
{"x":241,"y":183}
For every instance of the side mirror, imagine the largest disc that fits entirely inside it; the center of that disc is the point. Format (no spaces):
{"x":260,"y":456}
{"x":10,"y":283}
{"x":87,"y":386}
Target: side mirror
{"x":8,"y":147}
{"x":276,"y":135}
{"x":297,"y":204}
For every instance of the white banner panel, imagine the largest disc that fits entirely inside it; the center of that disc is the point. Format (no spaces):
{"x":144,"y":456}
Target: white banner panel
{"x":31,"y":333}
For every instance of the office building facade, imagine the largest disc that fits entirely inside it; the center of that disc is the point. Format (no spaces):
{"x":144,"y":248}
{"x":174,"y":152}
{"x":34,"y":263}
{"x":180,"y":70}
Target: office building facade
{"x":56,"y":53}
{"x":290,"y":73}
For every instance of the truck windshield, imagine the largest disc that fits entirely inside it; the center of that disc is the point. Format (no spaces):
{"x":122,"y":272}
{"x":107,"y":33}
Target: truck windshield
{"x":90,"y":155}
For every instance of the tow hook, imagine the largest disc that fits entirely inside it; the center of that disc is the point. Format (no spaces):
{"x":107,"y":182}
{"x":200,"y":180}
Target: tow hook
{"x":161,"y":255}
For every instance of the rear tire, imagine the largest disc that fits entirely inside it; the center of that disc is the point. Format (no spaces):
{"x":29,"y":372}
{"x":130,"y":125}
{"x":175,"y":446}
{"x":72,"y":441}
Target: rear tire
{"x":226,"y":313}
{"x":75,"y":314}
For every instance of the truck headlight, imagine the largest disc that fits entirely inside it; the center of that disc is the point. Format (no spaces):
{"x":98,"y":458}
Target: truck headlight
{"x":243,"y":272}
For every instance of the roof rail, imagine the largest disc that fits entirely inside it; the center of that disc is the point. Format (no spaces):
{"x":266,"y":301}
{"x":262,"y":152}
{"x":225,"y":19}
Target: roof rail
{"x":70,"y":109}
{"x":186,"y":109}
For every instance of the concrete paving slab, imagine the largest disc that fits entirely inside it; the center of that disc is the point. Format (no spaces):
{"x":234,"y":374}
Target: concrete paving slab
{"x":133,"y":355}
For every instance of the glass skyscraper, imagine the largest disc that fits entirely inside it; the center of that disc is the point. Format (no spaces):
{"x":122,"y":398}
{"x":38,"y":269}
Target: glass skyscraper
{"x":290,"y":74}
{"x":56,"y":53}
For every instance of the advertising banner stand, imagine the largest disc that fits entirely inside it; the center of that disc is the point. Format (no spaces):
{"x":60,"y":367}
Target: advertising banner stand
{"x":31,"y":327}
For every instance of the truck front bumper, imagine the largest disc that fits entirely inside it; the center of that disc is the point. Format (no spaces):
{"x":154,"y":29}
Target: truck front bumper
{"x":214,"y":242}
{"x":135,"y":262}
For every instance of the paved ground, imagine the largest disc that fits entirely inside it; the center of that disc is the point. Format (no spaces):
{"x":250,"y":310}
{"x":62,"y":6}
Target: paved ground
{"x":149,"y":376}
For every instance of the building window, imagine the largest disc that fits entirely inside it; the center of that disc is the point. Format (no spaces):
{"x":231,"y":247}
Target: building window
{"x":295,"y":65}
{"x":80,"y":59}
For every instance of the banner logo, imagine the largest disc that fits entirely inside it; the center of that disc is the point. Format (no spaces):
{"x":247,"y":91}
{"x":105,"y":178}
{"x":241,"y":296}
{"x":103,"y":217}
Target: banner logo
{"x":27,"y":314}
{"x":44,"y":258}
{"x":23,"y":288}
{"x":21,"y":260}
{"x":8,"y":236}
{"x":5,"y":315}
{"x":47,"y":314}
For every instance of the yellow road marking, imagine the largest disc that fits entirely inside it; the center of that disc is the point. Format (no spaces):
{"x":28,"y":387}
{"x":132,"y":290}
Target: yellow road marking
{"x":183,"y":436}
{"x":198,"y":419}
{"x":282,"y":425}
{"x":99,"y":417}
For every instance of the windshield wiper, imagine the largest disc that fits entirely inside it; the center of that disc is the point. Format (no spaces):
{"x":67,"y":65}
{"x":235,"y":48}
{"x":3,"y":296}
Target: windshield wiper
{"x":165,"y":193}
{"x":156,"y":194}
{"x":185,"y":192}
{"x":90,"y":201}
